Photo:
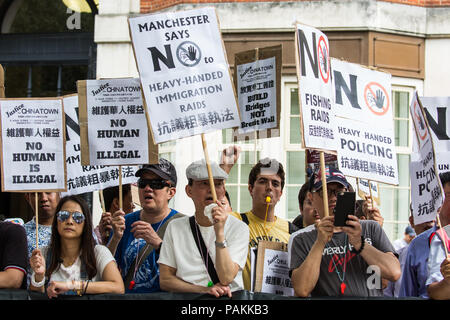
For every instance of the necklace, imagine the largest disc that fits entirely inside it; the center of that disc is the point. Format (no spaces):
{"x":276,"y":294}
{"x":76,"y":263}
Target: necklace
{"x":139,"y":258}
{"x":344,"y":269}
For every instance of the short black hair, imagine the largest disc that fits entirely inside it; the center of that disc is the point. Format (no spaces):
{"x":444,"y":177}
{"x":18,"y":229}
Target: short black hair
{"x":266,"y":163}
{"x":445,"y":177}
{"x":228,"y":197}
{"x":302,"y":194}
{"x":113,"y":192}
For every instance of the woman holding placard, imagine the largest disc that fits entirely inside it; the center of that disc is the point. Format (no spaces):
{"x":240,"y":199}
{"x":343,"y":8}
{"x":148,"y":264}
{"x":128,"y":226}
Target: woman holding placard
{"x":73,"y":264}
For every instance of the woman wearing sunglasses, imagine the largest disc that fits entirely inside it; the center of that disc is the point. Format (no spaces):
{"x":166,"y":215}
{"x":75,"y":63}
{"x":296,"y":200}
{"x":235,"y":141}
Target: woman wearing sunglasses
{"x":73,"y":264}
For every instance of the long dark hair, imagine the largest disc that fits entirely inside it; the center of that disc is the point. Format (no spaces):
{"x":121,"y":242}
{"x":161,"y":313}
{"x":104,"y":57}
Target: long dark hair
{"x":87,"y":240}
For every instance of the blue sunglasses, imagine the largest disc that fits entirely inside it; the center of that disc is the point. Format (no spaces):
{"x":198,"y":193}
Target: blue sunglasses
{"x":78,"y":217}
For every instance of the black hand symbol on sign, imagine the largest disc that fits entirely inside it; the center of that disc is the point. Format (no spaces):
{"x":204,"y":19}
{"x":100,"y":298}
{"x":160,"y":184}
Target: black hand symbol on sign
{"x":379,"y":100}
{"x":325,"y":60}
{"x":421,"y":124}
{"x":192,"y":53}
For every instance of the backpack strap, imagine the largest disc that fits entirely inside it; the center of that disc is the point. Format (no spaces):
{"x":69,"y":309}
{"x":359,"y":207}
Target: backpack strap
{"x":147,"y":249}
{"x":202,"y":249}
{"x":292,"y":227}
{"x":244,"y":218}
{"x":430,"y":238}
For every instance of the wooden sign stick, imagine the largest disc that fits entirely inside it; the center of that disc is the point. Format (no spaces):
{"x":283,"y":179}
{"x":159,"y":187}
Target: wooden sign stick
{"x":208,"y":167}
{"x":324,"y":184}
{"x":36,"y":202}
{"x":371,"y":197}
{"x":120,"y":188}
{"x":443,"y":235}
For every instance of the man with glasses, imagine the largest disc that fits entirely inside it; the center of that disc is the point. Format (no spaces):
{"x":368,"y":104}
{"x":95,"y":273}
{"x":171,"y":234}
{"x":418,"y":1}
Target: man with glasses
{"x":137,"y":236}
{"x":333,"y":261}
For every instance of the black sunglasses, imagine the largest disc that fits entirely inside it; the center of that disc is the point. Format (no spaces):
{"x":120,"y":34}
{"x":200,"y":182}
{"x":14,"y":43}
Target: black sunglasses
{"x":153,"y":183}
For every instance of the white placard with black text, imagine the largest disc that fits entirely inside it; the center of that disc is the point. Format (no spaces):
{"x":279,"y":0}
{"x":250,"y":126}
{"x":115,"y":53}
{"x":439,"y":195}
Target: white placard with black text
{"x":315,"y":88}
{"x":81,"y":179}
{"x":257,"y":95}
{"x":184,"y":73}
{"x":117,"y":126}
{"x":33,"y":152}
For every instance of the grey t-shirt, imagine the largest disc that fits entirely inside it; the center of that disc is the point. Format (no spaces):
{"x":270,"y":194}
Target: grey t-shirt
{"x":360,"y":280}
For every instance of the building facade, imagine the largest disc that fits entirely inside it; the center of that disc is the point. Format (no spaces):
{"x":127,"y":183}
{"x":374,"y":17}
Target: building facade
{"x":409,"y":39}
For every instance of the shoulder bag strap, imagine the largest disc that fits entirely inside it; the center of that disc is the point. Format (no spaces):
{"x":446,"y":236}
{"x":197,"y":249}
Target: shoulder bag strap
{"x":202,"y":248}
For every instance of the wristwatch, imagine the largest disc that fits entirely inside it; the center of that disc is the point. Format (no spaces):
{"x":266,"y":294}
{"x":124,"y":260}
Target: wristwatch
{"x":223,"y":244}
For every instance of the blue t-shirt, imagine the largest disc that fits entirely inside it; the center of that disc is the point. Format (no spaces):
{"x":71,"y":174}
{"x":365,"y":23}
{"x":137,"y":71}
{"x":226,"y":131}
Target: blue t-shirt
{"x":414,"y":273}
{"x":147,"y":276}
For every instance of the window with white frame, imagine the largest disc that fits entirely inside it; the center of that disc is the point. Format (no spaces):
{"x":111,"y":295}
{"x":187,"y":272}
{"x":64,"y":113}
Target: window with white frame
{"x":395,"y":200}
{"x":295,"y":155}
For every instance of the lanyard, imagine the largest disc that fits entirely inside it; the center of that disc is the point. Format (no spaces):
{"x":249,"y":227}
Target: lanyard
{"x":344,"y":269}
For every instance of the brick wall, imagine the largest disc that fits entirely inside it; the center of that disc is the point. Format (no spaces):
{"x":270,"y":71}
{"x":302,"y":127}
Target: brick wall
{"x":155,"y":5}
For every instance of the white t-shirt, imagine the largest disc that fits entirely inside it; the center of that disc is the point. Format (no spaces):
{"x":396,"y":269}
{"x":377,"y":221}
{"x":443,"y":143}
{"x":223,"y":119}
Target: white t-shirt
{"x":398,"y":244}
{"x":102,"y":257}
{"x":180,"y":251}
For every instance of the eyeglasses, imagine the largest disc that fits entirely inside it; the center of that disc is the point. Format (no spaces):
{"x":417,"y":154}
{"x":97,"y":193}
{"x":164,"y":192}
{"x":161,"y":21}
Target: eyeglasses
{"x":78,"y":217}
{"x":331,"y":192}
{"x":153,"y":183}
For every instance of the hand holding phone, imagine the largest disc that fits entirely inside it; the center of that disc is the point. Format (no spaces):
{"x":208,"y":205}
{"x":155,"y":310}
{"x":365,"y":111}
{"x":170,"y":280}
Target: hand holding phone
{"x":345,"y":205}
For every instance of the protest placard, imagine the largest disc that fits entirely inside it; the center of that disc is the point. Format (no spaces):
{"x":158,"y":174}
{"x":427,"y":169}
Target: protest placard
{"x":364,"y":123}
{"x":313,"y":160}
{"x":426,"y":187}
{"x":257,"y":78}
{"x":114,"y":129}
{"x":366,"y":190}
{"x":184,"y":73}
{"x":362,"y":94}
{"x":272,"y":269}
{"x":2,"y":82}
{"x":438,"y":113}
{"x":315,"y":89}
{"x":33,"y":145}
{"x":366,"y":152}
{"x":81,"y":179}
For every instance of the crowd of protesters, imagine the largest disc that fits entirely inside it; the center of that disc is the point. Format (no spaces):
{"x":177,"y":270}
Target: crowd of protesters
{"x":158,"y":248}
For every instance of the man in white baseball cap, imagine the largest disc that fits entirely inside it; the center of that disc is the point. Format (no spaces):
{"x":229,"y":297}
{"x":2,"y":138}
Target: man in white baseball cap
{"x":204,"y":253}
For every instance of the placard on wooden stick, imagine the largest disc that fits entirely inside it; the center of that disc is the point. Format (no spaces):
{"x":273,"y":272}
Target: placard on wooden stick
{"x":185,"y":75}
{"x":276,"y":275}
{"x":33,"y":148}
{"x":186,"y":79}
{"x":113,"y":126}
{"x":257,"y":79}
{"x":82,"y":179}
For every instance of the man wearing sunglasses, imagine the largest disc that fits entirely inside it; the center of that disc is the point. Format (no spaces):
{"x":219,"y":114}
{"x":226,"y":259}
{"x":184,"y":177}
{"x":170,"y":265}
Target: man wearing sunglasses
{"x":137,"y":237}
{"x":326,"y":260}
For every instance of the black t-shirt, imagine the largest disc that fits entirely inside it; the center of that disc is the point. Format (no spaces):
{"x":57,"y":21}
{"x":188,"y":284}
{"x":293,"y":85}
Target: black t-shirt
{"x":13,"y":249}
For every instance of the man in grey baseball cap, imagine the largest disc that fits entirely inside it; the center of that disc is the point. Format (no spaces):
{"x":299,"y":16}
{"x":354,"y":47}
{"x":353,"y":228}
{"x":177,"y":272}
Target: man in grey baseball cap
{"x":184,"y":264}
